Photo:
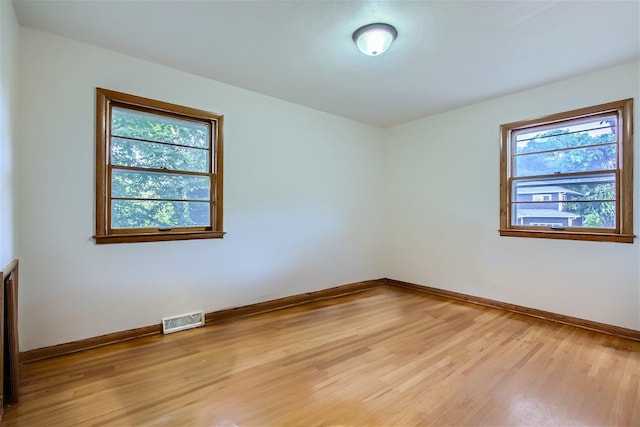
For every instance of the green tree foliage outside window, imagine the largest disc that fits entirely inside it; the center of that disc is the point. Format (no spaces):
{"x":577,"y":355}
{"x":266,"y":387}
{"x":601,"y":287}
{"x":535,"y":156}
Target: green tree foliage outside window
{"x":144,"y":144}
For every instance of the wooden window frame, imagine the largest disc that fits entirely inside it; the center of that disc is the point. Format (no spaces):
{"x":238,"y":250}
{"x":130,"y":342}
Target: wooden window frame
{"x":105,"y":100}
{"x":624,"y":176}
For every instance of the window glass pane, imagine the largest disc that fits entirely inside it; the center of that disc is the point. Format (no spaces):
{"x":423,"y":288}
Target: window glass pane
{"x":576,"y":214}
{"x":573,"y":160}
{"x":155,"y":213}
{"x":577,"y":133}
{"x":154,"y":185}
{"x":587,"y":201}
{"x":155,"y":127}
{"x":129,"y":152}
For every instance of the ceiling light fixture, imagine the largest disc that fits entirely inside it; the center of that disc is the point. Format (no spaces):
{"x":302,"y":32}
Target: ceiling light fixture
{"x":374,"y":39}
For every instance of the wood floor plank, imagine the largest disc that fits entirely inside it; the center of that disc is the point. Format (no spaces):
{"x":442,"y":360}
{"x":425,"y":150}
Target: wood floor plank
{"x":382,"y":357}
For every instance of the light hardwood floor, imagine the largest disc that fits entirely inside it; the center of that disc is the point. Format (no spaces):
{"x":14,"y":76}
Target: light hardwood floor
{"x":381,"y":357}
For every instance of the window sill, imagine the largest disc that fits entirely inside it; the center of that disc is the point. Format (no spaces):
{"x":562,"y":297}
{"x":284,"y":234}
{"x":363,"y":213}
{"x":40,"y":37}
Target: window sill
{"x":158,"y":237}
{"x":569,"y":235}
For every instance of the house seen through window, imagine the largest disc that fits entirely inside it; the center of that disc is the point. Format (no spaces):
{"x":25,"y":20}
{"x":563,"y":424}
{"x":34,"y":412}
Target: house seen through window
{"x":158,"y":171}
{"x":569,"y":175}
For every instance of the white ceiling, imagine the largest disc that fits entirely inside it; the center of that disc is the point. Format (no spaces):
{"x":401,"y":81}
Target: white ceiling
{"x":447,"y":54}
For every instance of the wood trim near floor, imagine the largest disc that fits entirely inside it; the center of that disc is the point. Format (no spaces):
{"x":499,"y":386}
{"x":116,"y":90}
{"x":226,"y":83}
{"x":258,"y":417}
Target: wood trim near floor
{"x":214,"y":317}
{"x":300,"y":299}
{"x":292,"y":301}
{"x":88,"y":343}
{"x":604,"y":328}
{"x":11,"y":384}
{"x":2,"y":396}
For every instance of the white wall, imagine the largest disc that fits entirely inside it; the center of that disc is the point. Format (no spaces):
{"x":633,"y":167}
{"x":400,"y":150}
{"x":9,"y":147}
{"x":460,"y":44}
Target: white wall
{"x":311,"y":201}
{"x":444,"y":199}
{"x":301,"y":207}
{"x":8,"y":79}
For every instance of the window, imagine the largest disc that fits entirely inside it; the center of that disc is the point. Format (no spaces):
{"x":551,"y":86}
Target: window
{"x":158,"y":170}
{"x":569,"y":175}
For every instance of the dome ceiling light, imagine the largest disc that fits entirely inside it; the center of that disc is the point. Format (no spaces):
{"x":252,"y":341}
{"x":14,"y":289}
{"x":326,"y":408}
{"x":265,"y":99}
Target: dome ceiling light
{"x":374,"y":39}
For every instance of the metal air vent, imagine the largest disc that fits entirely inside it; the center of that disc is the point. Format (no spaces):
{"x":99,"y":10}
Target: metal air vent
{"x":182,"y":322}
